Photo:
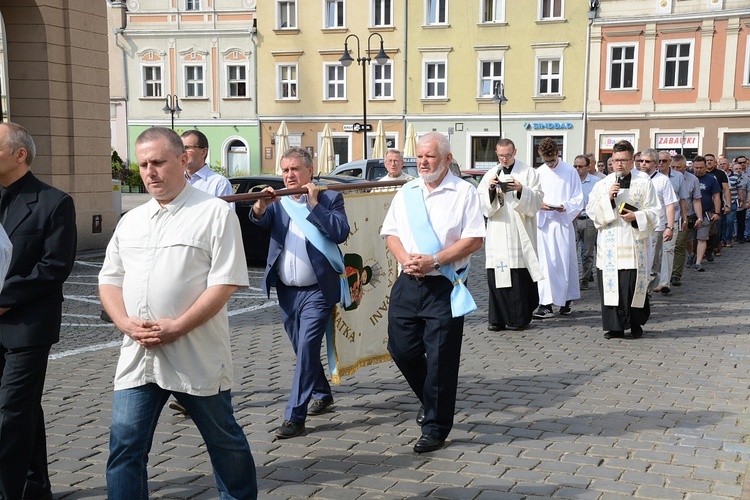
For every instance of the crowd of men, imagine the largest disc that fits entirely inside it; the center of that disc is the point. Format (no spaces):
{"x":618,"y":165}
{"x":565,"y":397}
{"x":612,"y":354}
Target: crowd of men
{"x":173,"y":263}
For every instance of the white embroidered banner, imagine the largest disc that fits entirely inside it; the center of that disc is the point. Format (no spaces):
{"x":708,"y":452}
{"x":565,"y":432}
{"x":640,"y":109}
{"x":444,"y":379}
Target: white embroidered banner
{"x":360,"y":333}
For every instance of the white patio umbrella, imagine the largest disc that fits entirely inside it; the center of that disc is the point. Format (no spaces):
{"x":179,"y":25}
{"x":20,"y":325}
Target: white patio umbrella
{"x":378,"y":151}
{"x":325,"y":156}
{"x":282,"y":144}
{"x":410,"y":141}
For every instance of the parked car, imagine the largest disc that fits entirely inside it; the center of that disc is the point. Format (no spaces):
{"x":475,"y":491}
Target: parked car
{"x":374,"y":168}
{"x":255,"y":239}
{"x":474,"y":173}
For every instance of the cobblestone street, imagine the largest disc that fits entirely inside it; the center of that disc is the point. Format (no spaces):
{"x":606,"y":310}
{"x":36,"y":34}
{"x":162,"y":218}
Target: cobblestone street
{"x":552,"y":411}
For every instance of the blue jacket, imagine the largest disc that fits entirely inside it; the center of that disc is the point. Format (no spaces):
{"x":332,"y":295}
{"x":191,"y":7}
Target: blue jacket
{"x":330,"y":218}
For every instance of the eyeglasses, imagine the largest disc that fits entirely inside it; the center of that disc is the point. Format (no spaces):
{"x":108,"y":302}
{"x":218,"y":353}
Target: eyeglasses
{"x":190,"y":148}
{"x":646,"y":161}
{"x":621,"y":160}
{"x":742,"y":162}
{"x":664,"y":161}
{"x":581,"y":166}
{"x":507,"y":157}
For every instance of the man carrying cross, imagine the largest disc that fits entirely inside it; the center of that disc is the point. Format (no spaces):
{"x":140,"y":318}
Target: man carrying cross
{"x":510,"y":196}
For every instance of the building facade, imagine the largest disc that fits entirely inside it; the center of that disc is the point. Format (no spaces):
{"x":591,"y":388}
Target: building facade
{"x":673,"y":75}
{"x":188,"y":64}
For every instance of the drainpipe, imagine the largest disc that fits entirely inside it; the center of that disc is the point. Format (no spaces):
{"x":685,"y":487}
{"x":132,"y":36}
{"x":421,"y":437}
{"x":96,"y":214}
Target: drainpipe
{"x":593,"y":6}
{"x":254,"y":40}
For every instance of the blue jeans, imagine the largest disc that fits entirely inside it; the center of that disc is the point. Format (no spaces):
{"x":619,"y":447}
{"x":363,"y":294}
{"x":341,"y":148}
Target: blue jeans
{"x":728,"y":225}
{"x":134,"y":416}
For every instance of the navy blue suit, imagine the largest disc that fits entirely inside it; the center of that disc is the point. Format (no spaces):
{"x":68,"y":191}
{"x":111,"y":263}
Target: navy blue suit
{"x":41,"y":225}
{"x":306,"y":311}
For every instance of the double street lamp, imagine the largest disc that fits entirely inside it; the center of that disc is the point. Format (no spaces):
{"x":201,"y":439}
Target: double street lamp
{"x":499,"y":99}
{"x":346,"y":60}
{"x":172,"y":106}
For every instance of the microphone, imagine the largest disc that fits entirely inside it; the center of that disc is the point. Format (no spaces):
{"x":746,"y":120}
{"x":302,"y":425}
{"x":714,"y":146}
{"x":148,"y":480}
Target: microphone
{"x":618,"y":175}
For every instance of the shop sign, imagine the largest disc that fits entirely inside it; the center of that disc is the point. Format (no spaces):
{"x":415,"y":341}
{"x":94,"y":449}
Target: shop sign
{"x":676,"y":140}
{"x":547,"y":125}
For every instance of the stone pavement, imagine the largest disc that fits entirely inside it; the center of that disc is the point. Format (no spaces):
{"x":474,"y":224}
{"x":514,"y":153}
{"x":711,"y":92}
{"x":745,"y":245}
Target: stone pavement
{"x":555,"y":411}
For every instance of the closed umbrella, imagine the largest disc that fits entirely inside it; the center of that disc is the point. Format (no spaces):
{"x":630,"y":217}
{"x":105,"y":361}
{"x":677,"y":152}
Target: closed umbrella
{"x":282,"y":144}
{"x":410,"y":142}
{"x":325,"y":157}
{"x":380,"y":146}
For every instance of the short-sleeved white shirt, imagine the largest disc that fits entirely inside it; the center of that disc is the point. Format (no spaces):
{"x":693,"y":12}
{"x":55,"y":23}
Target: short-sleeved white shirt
{"x":454,"y":212}
{"x":163,"y":258}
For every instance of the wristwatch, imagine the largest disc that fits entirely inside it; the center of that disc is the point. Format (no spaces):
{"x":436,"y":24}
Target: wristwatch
{"x":669,"y":227}
{"x":435,"y":262}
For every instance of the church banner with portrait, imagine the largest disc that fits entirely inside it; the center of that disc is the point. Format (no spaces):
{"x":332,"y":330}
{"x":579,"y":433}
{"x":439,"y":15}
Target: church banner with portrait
{"x":359,"y":333}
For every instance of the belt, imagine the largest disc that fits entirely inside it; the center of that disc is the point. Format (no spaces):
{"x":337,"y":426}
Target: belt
{"x":583,"y":217}
{"x":423,"y":279}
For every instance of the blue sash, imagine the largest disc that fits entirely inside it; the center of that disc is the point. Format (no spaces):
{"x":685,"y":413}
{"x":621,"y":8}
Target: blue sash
{"x":298,"y":212}
{"x":462,"y":303}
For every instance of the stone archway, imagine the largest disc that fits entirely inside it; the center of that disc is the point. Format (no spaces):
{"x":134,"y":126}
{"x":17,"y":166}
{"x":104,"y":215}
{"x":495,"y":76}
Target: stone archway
{"x":58,"y":88}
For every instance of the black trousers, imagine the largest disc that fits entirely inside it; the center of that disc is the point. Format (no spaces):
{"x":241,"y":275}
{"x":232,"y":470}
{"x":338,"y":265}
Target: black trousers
{"x":623,"y":316}
{"x":425,"y":343}
{"x":741,"y":224}
{"x":512,"y":306}
{"x":23,"y":443}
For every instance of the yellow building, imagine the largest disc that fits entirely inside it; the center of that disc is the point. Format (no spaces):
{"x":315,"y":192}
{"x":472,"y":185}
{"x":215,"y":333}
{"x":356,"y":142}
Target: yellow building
{"x":302,"y":82}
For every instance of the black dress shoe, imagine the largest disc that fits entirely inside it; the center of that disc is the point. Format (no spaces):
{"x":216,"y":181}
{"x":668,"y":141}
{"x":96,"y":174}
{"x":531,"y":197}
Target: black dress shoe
{"x":289,"y":429}
{"x":495,"y":328}
{"x":319,"y":406}
{"x":636,"y":331}
{"x":420,"y":416}
{"x":428,"y":443}
{"x":614,"y":334}
{"x":665,"y":290}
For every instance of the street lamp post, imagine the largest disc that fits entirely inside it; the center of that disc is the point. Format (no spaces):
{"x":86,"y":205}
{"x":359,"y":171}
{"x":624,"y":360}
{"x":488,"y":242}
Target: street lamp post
{"x":346,"y":60}
{"x":172,"y":106}
{"x":499,"y":99}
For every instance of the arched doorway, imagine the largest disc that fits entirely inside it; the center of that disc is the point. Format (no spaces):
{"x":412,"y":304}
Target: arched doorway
{"x":238,"y":158}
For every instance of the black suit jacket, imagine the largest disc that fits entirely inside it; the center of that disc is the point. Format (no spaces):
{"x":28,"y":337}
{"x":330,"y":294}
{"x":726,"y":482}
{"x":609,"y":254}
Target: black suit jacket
{"x":41,"y":225}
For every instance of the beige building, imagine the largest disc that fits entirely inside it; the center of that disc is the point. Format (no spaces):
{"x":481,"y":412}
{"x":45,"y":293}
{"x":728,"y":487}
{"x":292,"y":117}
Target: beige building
{"x":55,"y":83}
{"x":306,"y":85}
{"x":187,"y":64}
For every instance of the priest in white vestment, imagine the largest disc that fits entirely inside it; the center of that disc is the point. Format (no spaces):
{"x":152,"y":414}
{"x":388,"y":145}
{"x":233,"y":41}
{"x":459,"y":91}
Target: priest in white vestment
{"x":623,"y":243}
{"x":510,"y":196}
{"x":556,"y":235}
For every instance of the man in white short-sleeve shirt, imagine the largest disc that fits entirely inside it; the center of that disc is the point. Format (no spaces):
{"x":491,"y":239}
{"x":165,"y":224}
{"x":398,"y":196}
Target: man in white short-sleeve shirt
{"x":424,"y":339}
{"x":169,"y":270}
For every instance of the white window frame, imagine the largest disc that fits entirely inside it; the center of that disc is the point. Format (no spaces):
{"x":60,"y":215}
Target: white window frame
{"x":551,"y":3}
{"x":337,"y":23}
{"x":548,"y":77}
{"x":199,"y":84}
{"x":690,"y":60}
{"x":622,"y":62}
{"x":497,"y":8}
{"x":287,"y":9}
{"x":384,"y":10}
{"x":746,"y":77}
{"x":383,"y":81}
{"x":293,"y":84}
{"x":339,"y":81}
{"x":426,"y":81}
{"x":192,"y":4}
{"x":492,"y":79}
{"x":428,"y":4}
{"x":237,"y":81}
{"x":158,"y":85}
